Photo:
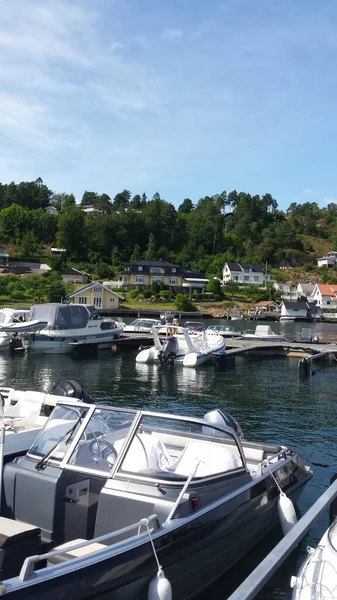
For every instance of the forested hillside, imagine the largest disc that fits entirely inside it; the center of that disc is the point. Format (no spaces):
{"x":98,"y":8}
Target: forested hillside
{"x":225,"y":226}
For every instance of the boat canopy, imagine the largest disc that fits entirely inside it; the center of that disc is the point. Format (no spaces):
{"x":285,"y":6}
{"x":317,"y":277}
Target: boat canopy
{"x":60,"y":316}
{"x":126,"y":444}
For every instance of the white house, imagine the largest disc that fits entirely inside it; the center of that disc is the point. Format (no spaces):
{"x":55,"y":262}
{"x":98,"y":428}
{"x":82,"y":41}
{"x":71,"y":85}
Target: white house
{"x":74,"y":275}
{"x":244,"y":273}
{"x":325,"y":295}
{"x":328,"y":261}
{"x":88,"y":209}
{"x":51,"y":210}
{"x":283,"y":287}
{"x":299,"y":310}
{"x":306,"y":290}
{"x":96,"y":294}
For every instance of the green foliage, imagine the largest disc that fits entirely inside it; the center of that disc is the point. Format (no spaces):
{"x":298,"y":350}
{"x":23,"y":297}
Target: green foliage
{"x":56,"y":292}
{"x":147,"y":294}
{"x":184,"y":303}
{"x":154,"y":287}
{"x":214,"y":287}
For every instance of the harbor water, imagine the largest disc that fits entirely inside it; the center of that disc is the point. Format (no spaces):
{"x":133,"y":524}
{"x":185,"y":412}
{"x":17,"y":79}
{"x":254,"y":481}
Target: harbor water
{"x":263,"y":393}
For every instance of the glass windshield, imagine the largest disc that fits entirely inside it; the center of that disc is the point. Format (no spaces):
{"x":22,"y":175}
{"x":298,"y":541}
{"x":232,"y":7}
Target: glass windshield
{"x":102,"y":439}
{"x":59,"y":431}
{"x":172,"y":449}
{"x":333,"y":534}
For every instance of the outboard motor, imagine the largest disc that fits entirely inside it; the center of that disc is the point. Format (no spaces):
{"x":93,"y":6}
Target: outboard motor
{"x":70,"y":389}
{"x":220,"y":417}
{"x":169,"y":351}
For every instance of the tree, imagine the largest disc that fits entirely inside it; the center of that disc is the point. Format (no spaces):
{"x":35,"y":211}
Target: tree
{"x":63,"y":202}
{"x":72,"y":234}
{"x":121,"y":201}
{"x":89,"y":198}
{"x":56,"y":292}
{"x":186,"y":206}
{"x":214,"y":286}
{"x":29,"y":245}
{"x":150,"y":253}
{"x":183,"y":303}
{"x":155,"y":288}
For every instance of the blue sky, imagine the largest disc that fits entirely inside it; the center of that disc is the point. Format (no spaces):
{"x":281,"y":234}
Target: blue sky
{"x":183,"y":97}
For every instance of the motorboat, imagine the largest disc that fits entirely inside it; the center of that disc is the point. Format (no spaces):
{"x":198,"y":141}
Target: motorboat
{"x":263,"y":332}
{"x":142,"y":325}
{"x":194,"y":328}
{"x":287,"y":319}
{"x":191,"y":352}
{"x":24,"y":413}
{"x":317,"y":577}
{"x":59,"y":328}
{"x":7,"y":317}
{"x":224,"y":330}
{"x":105,"y":495}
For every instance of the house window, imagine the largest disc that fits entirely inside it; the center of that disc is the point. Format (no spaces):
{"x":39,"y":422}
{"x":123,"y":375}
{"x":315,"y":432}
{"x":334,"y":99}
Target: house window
{"x":140,"y":268}
{"x":256,"y":278}
{"x":155,"y":270}
{"x":246,"y":270}
{"x":82,"y":300}
{"x":246,"y":278}
{"x":236,"y":278}
{"x":139,"y":278}
{"x":97,"y":288}
{"x":112,"y":299}
{"x":157,"y":279}
{"x":174,"y":270}
{"x":97,"y":302}
{"x":172,"y":280}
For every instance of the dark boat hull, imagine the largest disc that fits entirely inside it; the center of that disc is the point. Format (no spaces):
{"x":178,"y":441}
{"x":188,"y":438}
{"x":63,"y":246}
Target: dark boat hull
{"x":192,"y":555}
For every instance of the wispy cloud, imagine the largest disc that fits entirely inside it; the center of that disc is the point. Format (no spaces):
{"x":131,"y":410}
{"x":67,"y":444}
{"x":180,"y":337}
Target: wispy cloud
{"x":309,"y":192}
{"x":329,"y":200}
{"x":172,"y":34}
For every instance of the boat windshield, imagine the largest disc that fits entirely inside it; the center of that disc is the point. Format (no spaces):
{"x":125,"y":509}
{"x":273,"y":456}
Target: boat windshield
{"x":102,"y":439}
{"x":164,"y":448}
{"x":194,"y":326}
{"x":60,"y":316}
{"x":58,"y":432}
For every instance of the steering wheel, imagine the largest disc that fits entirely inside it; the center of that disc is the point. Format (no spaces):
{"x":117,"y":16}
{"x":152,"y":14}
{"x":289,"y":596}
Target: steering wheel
{"x":100,"y":449}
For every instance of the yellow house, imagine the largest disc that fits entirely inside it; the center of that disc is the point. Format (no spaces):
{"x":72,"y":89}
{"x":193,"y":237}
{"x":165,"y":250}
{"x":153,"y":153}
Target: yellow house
{"x":96,"y":294}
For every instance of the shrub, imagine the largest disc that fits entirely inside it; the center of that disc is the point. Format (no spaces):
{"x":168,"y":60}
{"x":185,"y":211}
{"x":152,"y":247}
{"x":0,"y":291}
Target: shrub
{"x":183,"y":303}
{"x":147,"y":294}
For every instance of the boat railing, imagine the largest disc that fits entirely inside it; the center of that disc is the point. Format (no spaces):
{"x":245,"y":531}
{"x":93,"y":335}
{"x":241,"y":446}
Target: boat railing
{"x":27,"y":569}
{"x":183,"y":490}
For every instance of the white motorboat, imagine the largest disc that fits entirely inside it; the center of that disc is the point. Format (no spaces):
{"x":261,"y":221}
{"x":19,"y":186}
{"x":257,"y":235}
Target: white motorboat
{"x":182,"y":348}
{"x":224,"y":330}
{"x":263,"y":332}
{"x":142,"y":325}
{"x":287,"y":319}
{"x":194,"y":328}
{"x":7,"y":317}
{"x":317,"y":577}
{"x":61,"y":327}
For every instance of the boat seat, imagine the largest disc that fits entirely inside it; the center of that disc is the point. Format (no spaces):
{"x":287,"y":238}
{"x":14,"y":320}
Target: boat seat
{"x":17,"y":541}
{"x":213,"y":459}
{"x":76,"y":553}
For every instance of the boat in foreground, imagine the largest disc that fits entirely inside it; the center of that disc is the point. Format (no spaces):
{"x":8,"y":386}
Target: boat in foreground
{"x":263,"y":332}
{"x":103,"y":492}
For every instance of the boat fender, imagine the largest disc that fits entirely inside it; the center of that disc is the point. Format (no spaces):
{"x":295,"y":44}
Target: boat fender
{"x":160,"y":587}
{"x":286,"y":513}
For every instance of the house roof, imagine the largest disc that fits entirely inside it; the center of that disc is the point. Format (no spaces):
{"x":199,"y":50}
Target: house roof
{"x":91,"y":285}
{"x":298,"y":305}
{"x":71,"y":271}
{"x":307,"y":287}
{"x":327,"y":289}
{"x":240,"y":266}
{"x":265,"y":303}
{"x":166,"y":266}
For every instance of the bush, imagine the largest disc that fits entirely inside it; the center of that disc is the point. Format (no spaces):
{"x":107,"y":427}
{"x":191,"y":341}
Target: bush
{"x":166,"y":295}
{"x":132,"y":294}
{"x":183,"y":303}
{"x":155,"y":288}
{"x":147,"y":294}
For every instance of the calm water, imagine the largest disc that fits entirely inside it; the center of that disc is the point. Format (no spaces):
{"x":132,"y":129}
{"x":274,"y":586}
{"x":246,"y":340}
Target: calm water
{"x":264,"y":394}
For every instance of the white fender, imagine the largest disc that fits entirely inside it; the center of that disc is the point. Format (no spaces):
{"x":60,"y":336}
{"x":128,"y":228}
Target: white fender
{"x":286,"y":513}
{"x":160,"y":587}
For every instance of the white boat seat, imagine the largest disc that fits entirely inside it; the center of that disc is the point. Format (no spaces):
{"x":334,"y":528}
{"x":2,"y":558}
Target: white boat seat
{"x":213,"y":459}
{"x":77,"y":553}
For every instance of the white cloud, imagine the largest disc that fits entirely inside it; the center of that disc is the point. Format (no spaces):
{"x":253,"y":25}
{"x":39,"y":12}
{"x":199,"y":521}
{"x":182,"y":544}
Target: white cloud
{"x":309,"y":192}
{"x":329,"y":200}
{"x":171,"y":34}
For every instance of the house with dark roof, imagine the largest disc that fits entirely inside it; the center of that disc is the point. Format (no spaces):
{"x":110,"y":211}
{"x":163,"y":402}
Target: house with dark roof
{"x":74,"y":275}
{"x":141,"y":273}
{"x":296,"y":310}
{"x":244,"y":273}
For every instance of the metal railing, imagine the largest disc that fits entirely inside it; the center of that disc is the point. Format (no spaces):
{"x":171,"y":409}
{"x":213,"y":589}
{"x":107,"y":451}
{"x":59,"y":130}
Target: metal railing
{"x":28,"y":566}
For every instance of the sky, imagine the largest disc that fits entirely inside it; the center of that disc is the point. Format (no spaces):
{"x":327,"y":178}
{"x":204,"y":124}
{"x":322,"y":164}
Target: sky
{"x":182,"y":97}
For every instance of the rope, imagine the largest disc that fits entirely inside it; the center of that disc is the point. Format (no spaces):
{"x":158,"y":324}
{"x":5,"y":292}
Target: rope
{"x":146,"y":523}
{"x":273,"y":476}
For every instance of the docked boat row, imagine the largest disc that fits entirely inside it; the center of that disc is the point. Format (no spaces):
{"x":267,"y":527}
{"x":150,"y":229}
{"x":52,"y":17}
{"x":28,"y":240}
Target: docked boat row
{"x":123,"y":503}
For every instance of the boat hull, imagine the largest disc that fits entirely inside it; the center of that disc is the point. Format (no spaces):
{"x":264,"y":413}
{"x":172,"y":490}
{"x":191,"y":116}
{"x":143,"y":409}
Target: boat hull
{"x":193,"y":553}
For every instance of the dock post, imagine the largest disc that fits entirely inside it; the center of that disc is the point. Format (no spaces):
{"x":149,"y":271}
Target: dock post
{"x":304,"y":367}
